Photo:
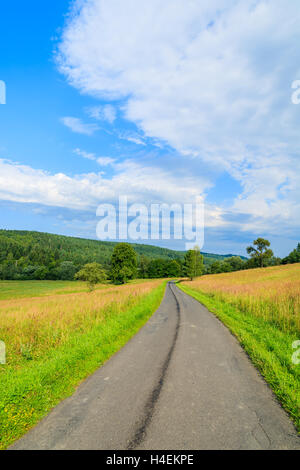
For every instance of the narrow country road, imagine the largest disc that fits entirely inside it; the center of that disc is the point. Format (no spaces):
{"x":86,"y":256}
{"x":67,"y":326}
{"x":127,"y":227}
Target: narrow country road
{"x":183,"y":382}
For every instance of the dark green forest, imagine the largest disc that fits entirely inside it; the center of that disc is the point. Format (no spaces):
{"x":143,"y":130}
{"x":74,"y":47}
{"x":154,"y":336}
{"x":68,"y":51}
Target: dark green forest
{"x":34,"y":255}
{"x":26,"y":255}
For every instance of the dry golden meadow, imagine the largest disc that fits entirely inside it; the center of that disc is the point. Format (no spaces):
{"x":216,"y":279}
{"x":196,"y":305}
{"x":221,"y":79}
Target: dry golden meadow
{"x":32,"y":326}
{"x":55,"y":341}
{"x":270,"y":293}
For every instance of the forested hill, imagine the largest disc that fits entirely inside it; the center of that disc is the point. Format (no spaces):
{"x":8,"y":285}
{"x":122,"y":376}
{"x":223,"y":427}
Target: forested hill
{"x":25,"y":249}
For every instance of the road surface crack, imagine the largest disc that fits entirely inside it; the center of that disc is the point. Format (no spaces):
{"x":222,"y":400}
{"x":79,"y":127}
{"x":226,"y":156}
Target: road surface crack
{"x":261,"y":426}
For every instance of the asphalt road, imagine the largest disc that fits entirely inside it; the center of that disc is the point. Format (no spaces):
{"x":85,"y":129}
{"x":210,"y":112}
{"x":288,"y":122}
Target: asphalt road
{"x":183,"y":382}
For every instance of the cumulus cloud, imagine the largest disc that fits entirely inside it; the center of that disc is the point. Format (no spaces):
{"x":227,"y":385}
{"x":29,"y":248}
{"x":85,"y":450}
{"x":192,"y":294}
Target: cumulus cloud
{"x":22,"y":183}
{"x":76,"y":125}
{"x":211,"y":79}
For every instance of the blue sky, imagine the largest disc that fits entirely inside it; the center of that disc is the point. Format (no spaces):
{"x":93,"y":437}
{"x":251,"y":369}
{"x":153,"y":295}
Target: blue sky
{"x":161,"y":103}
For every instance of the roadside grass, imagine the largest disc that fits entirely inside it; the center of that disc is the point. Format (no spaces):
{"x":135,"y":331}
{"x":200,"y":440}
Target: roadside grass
{"x":47,"y":360}
{"x":269,"y":293}
{"x":266,"y":338}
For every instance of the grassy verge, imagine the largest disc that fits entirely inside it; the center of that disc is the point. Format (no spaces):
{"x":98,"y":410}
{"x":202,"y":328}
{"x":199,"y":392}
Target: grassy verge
{"x":28,"y":391}
{"x":269,"y":348}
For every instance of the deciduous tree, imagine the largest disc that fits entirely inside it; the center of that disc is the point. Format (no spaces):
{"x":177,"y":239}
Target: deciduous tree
{"x":193,"y":263}
{"x":123,"y":263}
{"x":92,"y":273}
{"x":260,"y":252}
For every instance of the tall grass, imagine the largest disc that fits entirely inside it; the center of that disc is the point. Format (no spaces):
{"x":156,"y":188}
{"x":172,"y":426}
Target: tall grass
{"x":55,"y":342}
{"x":270,"y":293}
{"x":30,"y":327}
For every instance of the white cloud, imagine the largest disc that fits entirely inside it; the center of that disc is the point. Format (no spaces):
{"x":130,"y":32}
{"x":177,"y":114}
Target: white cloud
{"x":103,"y":161}
{"x":103,"y":113}
{"x":76,"y":125}
{"x":84,"y":154}
{"x":211,"y":79}
{"x":132,"y":137}
{"x":21,"y":183}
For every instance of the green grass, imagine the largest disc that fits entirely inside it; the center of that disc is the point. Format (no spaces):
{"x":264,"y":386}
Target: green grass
{"x":27,"y":394}
{"x":22,"y":289}
{"x":269,"y":348}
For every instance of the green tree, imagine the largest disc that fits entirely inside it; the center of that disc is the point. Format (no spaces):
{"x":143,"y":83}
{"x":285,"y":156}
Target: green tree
{"x":293,"y":257}
{"x":143,"y":268}
{"x":40,"y":273}
{"x":193,"y":263}
{"x":156,"y":268}
{"x":66,"y":271}
{"x":123,"y":263}
{"x":260,"y":252}
{"x":226,"y":267}
{"x":236,"y":263}
{"x":275,"y":261}
{"x":93,"y":274}
{"x":173,"y":269}
{"x":124,"y":275}
{"x":216,"y":267}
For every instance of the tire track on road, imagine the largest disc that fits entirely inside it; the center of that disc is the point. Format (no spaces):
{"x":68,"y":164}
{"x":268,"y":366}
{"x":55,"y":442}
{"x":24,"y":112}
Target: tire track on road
{"x":143,"y":424}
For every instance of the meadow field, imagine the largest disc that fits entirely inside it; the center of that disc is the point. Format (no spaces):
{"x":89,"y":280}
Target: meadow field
{"x":55,"y":339}
{"x":261,"y":307}
{"x":22,"y":289}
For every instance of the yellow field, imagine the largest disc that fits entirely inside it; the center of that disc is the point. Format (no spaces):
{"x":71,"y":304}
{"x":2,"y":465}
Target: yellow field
{"x":271,"y":293}
{"x":32,"y":326}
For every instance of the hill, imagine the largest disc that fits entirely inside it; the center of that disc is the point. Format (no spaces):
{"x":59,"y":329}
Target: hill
{"x":25,"y":250}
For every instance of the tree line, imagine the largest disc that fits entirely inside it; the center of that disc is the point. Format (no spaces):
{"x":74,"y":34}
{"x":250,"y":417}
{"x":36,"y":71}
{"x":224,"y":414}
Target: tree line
{"x":38,"y":256}
{"x":125,"y":266}
{"x":27,"y":255}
